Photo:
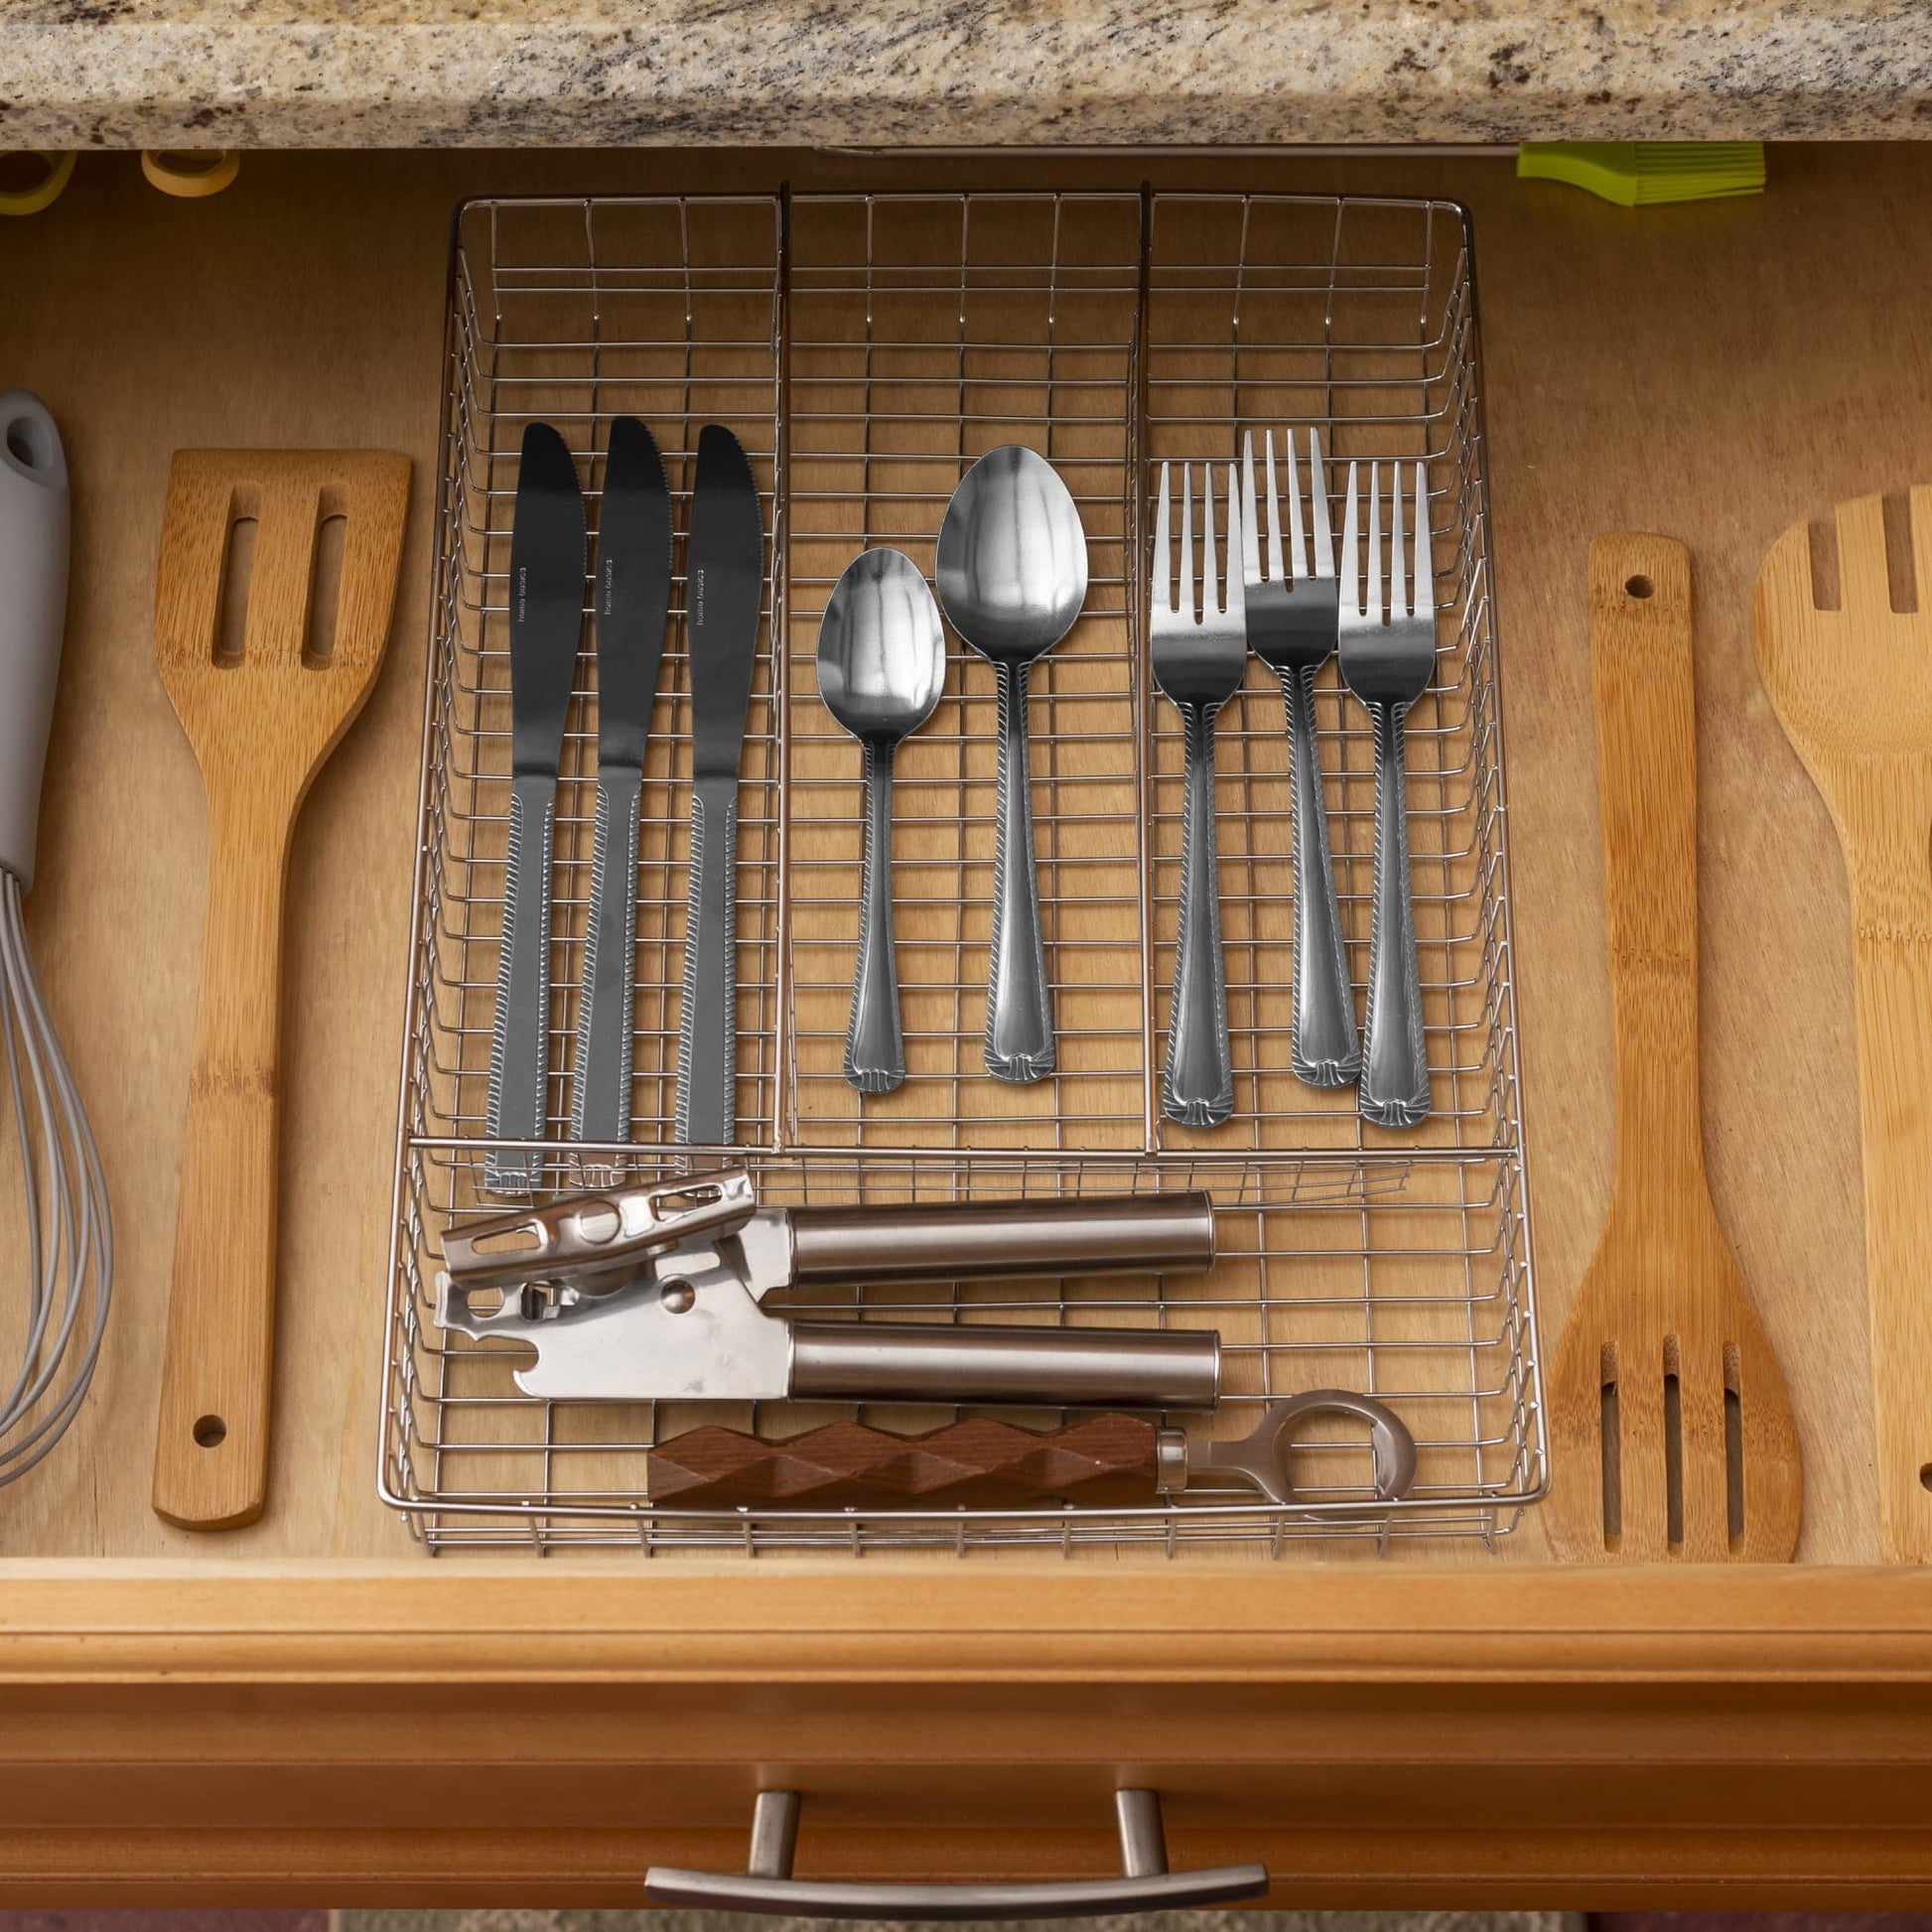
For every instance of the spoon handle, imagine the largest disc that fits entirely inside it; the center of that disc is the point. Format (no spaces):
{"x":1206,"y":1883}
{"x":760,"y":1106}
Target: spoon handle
{"x":1019,"y":1021}
{"x":875,"y":1050}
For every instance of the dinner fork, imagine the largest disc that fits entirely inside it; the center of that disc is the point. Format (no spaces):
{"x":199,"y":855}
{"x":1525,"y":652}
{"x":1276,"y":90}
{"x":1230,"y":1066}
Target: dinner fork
{"x":1388,"y":666}
{"x":1198,"y":660}
{"x":1292,"y":622}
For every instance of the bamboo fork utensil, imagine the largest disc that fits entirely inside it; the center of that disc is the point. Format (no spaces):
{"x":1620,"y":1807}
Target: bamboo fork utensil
{"x":1852,"y":688}
{"x":1670,"y":1433}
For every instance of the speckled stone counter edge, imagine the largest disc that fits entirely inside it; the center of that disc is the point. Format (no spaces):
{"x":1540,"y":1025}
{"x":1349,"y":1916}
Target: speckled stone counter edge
{"x":979,"y":72}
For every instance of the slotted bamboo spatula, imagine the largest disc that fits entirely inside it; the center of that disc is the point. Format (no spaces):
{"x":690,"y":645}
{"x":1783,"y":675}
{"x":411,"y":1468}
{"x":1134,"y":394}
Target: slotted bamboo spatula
{"x":1670,"y":1433}
{"x":1852,"y":688}
{"x":261,"y":727}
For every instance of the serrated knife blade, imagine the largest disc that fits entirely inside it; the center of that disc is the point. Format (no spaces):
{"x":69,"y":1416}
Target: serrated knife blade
{"x":724,"y":594}
{"x":546,"y":615}
{"x":631,"y":597}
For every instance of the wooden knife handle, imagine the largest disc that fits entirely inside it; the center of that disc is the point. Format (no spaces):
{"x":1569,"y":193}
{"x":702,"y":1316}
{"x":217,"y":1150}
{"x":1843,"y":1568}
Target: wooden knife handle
{"x":211,"y":1469}
{"x":978,"y":1464}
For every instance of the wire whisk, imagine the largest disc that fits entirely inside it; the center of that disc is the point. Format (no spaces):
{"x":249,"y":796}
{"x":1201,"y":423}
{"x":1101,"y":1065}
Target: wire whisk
{"x":70,"y":1261}
{"x":68,"y":1275}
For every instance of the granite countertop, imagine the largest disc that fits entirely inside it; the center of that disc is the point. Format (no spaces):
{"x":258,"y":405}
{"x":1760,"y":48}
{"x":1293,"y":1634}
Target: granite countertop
{"x":936,"y":72}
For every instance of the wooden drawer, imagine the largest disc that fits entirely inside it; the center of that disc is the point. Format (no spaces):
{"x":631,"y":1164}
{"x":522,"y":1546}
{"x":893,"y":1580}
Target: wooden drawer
{"x":313,"y":1708}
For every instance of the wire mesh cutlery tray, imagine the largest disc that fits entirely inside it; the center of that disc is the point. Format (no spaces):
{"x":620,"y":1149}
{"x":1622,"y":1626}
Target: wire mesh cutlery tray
{"x":866,"y":349}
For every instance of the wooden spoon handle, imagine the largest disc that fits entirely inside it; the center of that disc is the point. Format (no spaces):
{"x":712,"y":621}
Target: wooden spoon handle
{"x":1646,"y":768}
{"x":211,"y":1469}
{"x":1891,"y":963}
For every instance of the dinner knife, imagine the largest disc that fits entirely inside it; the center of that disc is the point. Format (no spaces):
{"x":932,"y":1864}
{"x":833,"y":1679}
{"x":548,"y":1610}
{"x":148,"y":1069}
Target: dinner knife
{"x":546,"y":615}
{"x":724,"y":593}
{"x":630,"y":600}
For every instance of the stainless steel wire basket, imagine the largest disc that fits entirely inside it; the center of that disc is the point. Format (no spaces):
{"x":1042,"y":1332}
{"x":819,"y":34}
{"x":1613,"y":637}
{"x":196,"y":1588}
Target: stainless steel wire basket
{"x":866,"y":349}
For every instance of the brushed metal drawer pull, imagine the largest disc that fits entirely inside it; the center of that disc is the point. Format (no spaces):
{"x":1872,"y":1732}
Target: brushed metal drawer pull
{"x":766,"y":1884}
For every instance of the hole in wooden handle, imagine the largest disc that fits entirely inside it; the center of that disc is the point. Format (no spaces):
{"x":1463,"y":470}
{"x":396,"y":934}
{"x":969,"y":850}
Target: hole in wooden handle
{"x":211,"y":1432}
{"x":1639,"y":586}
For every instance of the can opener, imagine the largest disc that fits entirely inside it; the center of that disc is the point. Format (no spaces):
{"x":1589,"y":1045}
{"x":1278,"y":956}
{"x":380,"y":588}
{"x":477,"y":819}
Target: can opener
{"x":657,"y":1293}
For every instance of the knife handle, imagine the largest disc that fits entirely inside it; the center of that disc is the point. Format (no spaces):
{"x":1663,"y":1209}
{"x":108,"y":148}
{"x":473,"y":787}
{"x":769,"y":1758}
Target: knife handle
{"x":601,"y":1078}
{"x":521,"y":1036}
{"x":706,"y":1046}
{"x":1055,"y":1368}
{"x":973,"y":1464}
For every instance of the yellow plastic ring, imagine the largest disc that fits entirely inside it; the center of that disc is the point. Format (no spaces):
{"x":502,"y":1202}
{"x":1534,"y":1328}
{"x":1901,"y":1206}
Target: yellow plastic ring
{"x":209,"y":176}
{"x":44,"y":192}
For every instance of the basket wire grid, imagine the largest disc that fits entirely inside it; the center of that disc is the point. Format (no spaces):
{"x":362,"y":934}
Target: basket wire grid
{"x":867,"y":348}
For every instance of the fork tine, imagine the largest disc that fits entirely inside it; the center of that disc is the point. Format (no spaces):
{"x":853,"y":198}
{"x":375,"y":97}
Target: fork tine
{"x":1297,"y":547}
{"x":1398,"y":568}
{"x":1375,"y":543}
{"x":1351,"y":550}
{"x":1211,"y":604}
{"x":1163,"y":553}
{"x":1235,"y":604}
{"x":1423,"y":603}
{"x":1250,"y":524}
{"x":1187,"y":611}
{"x":1274,"y":518}
{"x":1325,"y":543}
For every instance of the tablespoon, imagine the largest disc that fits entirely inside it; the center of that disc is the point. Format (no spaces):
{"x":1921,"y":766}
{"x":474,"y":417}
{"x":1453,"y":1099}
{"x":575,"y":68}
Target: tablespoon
{"x":882,"y":663}
{"x":1012,"y":571}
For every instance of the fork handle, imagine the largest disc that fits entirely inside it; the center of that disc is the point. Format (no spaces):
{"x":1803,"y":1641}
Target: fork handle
{"x":1018,"y":1018}
{"x":1322,"y":1048}
{"x":1199,"y":1090}
{"x":1395,"y":1060}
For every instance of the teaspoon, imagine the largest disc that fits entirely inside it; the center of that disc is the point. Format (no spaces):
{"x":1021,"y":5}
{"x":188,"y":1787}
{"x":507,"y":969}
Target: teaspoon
{"x":882,"y":663}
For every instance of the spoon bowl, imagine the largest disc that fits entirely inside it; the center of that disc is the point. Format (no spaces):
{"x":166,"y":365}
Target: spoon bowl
{"x":1012,"y":571}
{"x":881,"y":653}
{"x":882,"y":665}
{"x":1011,"y":561}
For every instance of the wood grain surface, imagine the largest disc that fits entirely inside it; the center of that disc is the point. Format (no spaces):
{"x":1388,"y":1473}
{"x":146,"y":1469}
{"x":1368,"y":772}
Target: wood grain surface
{"x":1717,"y":370}
{"x":504,"y":1731}
{"x":261,"y":723}
{"x":1670,"y":1431}
{"x":1852,"y":685}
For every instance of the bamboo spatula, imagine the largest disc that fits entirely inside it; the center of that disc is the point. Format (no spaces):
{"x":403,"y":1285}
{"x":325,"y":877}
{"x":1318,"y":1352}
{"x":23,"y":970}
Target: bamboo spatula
{"x":261,"y":725}
{"x":1852,"y":688}
{"x":1671,"y":1434}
